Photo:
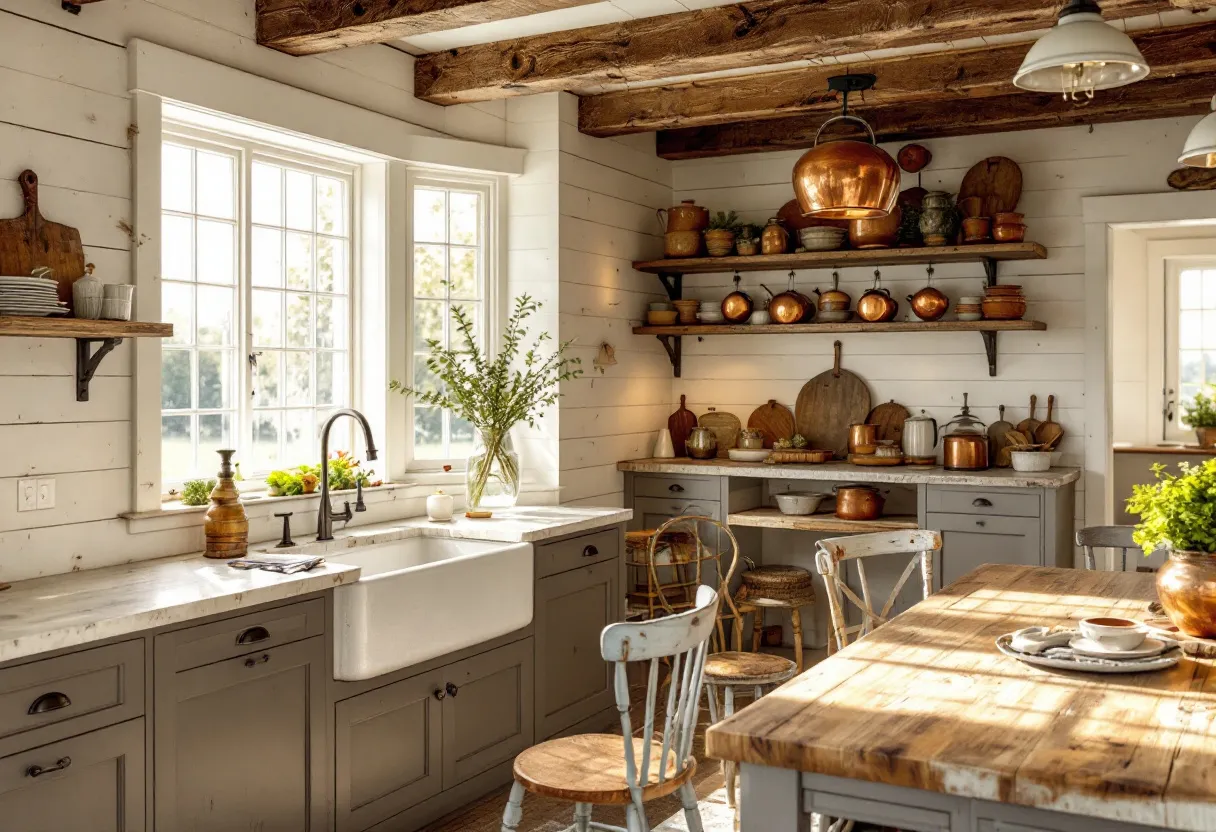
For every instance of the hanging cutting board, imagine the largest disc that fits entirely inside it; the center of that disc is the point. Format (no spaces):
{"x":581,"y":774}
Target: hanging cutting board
{"x":774,"y":420}
{"x":828,"y":404}
{"x":725,"y":428}
{"x":997,"y":181}
{"x":30,"y":241}
{"x":681,"y":424}
{"x":890,"y":420}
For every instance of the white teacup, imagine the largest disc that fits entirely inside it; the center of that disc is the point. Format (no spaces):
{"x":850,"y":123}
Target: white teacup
{"x":1114,"y":633}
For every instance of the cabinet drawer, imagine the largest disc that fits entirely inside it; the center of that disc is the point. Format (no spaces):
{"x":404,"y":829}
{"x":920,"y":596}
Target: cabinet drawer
{"x":668,"y":507}
{"x":564,"y":555}
{"x":969,"y":541}
{"x":878,"y":812}
{"x":686,"y":488}
{"x":1003,"y":502}
{"x":197,"y":646}
{"x":48,"y":700}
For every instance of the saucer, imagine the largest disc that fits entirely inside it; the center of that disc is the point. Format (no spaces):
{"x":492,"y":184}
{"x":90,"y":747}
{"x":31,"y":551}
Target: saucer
{"x":1088,"y":647}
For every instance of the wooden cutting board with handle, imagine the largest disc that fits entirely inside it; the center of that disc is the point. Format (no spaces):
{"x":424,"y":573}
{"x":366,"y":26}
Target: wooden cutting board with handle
{"x":996,"y":435}
{"x":997,"y":181}
{"x":681,"y":424}
{"x":890,"y":419}
{"x":828,"y":404}
{"x":30,"y":241}
{"x":774,"y":420}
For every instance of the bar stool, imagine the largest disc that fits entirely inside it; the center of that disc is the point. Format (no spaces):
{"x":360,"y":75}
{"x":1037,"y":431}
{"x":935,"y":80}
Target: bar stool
{"x":774,"y":587}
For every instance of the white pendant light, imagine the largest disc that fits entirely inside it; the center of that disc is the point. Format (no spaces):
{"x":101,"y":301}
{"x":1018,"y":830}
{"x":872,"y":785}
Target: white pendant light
{"x":1200,"y":148}
{"x":1081,"y":54}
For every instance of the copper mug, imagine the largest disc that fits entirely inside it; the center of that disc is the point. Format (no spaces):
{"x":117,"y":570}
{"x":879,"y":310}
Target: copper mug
{"x":863,"y":439}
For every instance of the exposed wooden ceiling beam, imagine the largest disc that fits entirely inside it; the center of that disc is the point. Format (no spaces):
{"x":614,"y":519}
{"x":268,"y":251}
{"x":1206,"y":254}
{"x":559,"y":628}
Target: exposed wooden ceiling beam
{"x":1161,"y":98}
{"x":943,"y":77}
{"x":729,"y":37}
{"x":308,"y":27}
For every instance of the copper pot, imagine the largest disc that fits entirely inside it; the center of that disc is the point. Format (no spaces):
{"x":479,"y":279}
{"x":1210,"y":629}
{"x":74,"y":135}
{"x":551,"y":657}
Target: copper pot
{"x":846,"y":179}
{"x":878,"y":233}
{"x":929,"y":303}
{"x":737,"y":306}
{"x":965,"y":452}
{"x":877,"y":305}
{"x":774,"y":239}
{"x":863,"y":437}
{"x":858,"y":502}
{"x":791,"y":306}
{"x":833,"y":299}
{"x":1186,"y":587}
{"x":977,"y":229}
{"x":1009,"y":233}
{"x":687,"y":216}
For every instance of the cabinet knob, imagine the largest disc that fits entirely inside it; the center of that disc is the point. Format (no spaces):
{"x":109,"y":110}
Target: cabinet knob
{"x":981,"y":523}
{"x":981,"y":502}
{"x":675,"y":488}
{"x":590,"y":551}
{"x":48,"y":702}
{"x":253,"y":635}
{"x":38,"y":771}
{"x":452,"y":690}
{"x":256,"y":660}
{"x":440,"y":694}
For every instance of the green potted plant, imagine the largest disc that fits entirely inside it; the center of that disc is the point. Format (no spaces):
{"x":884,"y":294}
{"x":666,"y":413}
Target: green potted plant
{"x":284,"y":483}
{"x":494,"y":396}
{"x":747,"y":240}
{"x":1178,"y":513}
{"x":197,"y":492}
{"x":720,"y":236}
{"x":1201,"y":415}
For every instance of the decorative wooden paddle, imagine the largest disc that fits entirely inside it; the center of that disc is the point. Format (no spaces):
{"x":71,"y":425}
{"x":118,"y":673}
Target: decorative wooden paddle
{"x":774,"y":420}
{"x":681,"y":424}
{"x":30,"y":241}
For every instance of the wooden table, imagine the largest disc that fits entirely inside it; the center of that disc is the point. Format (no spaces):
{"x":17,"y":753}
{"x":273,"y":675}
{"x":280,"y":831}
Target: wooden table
{"x":924,"y":726}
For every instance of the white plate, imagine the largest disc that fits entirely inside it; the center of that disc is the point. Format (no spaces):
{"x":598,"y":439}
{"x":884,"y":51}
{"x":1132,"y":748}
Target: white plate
{"x":1088,"y":647}
{"x":1084,"y":664}
{"x":748,"y":454}
{"x":27,"y":281}
{"x":8,"y":304}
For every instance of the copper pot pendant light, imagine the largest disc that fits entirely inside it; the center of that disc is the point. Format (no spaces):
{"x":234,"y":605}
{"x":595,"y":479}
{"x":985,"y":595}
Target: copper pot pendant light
{"x":847,"y":179}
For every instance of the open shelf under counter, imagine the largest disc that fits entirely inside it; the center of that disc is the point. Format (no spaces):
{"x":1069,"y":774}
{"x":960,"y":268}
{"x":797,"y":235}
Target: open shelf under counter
{"x":771,"y":518}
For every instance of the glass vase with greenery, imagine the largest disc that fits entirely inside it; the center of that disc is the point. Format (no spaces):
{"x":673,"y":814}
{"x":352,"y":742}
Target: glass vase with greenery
{"x":494,"y":395}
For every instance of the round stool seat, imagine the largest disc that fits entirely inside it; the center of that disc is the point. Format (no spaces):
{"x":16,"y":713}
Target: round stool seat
{"x":777,"y":586}
{"x":736,"y":668}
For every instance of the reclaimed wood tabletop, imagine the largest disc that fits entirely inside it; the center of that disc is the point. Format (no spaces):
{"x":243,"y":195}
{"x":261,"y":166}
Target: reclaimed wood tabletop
{"x":927,"y":701}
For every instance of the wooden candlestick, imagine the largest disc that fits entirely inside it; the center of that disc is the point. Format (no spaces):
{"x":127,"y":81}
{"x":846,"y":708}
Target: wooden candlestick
{"x":227,"y":527}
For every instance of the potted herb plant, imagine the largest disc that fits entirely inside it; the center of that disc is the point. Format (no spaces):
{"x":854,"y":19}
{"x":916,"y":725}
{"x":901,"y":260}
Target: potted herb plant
{"x":1201,"y":415}
{"x":197,"y":492}
{"x":1178,"y":513}
{"x":494,"y":396}
{"x":747,"y":242}
{"x":720,"y":236}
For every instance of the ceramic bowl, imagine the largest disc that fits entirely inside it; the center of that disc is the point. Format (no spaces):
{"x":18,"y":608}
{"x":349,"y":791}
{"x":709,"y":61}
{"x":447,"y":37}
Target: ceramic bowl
{"x":661,"y":318}
{"x":798,"y":502}
{"x":1031,"y":461}
{"x":822,"y":238}
{"x":835,"y":316}
{"x":748,"y":455}
{"x":660,"y":306}
{"x":970,"y":316}
{"x":1004,"y":309}
{"x":760,"y":317}
{"x":1009,"y":233}
{"x":1115,"y":633}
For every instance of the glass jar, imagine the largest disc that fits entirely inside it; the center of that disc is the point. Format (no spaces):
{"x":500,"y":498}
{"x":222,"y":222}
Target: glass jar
{"x":492,"y":473}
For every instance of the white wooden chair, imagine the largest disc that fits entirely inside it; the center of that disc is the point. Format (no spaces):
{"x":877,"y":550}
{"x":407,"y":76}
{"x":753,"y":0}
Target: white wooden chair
{"x":1106,"y":537}
{"x":607,"y":769}
{"x":834,"y":551}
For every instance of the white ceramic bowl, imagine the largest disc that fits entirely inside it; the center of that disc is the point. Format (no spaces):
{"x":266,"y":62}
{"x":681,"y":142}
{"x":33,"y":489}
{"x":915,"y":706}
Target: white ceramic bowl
{"x":970,"y":316}
{"x":760,"y":317}
{"x":1031,"y":461}
{"x":799,"y":502}
{"x":1115,"y":633}
{"x":748,"y":454}
{"x":821,"y":238}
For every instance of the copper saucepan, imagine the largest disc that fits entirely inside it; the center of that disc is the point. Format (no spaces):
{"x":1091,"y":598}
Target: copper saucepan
{"x":858,"y":502}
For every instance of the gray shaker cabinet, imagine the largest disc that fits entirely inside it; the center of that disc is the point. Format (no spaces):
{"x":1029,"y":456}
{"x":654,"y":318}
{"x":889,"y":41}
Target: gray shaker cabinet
{"x":240,"y":743}
{"x":90,"y":783}
{"x":968,"y":542}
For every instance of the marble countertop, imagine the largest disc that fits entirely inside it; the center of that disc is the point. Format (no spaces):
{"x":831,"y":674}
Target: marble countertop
{"x":60,"y":611}
{"x":838,"y":471}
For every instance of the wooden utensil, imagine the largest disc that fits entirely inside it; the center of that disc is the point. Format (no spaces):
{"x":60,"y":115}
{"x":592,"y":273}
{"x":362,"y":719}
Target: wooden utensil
{"x":30,"y":241}
{"x":828,"y":404}
{"x":774,"y":420}
{"x":1030,"y":424}
{"x":996,"y":433}
{"x":725,"y":427}
{"x":890,"y":420}
{"x":1049,"y":432}
{"x":680,"y":423}
{"x":997,"y":181}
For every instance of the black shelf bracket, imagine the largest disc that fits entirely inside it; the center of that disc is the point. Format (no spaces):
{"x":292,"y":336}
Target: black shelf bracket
{"x":673,"y":283}
{"x":672,"y":343}
{"x":88,"y":361}
{"x":990,"y":348}
{"x":990,"y":270}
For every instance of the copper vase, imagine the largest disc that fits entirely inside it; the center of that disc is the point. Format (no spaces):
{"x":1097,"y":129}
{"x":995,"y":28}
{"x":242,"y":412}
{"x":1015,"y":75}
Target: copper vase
{"x":1186,"y":587}
{"x":226,"y":526}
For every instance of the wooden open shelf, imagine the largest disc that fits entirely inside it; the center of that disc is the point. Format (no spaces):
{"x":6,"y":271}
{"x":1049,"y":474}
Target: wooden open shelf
{"x":850,"y":326}
{"x":845,"y":259}
{"x":108,"y":334}
{"x":771,"y":518}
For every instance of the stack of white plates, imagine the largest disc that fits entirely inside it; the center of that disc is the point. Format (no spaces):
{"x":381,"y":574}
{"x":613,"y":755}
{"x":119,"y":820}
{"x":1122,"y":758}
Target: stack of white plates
{"x":36,"y":297}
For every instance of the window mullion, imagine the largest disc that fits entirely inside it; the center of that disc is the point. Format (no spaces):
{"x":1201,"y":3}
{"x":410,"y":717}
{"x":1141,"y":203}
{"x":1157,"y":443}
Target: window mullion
{"x":244,"y":415}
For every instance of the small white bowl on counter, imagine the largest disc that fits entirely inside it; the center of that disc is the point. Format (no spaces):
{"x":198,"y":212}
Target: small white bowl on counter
{"x":799,"y":502}
{"x":1031,"y":462}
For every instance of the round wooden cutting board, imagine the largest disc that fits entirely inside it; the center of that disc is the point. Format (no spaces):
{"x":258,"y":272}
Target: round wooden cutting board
{"x":774,"y":420}
{"x":997,"y":181}
{"x":828,"y":404}
{"x":890,"y":420}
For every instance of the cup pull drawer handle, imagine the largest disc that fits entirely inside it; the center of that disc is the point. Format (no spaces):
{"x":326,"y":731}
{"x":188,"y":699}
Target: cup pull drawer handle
{"x":981,"y":502}
{"x":440,"y":694}
{"x":452,"y":689}
{"x":256,"y":660}
{"x":676,"y":488}
{"x":253,"y":635}
{"x":48,"y":702}
{"x":590,"y":551}
{"x":980,"y":523}
{"x":38,"y":771}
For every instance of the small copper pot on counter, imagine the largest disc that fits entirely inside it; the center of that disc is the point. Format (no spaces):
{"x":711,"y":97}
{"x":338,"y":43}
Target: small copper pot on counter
{"x":737,"y":306}
{"x":929,"y":304}
{"x":965,"y":442}
{"x":859,"y":502}
{"x":877,"y":305}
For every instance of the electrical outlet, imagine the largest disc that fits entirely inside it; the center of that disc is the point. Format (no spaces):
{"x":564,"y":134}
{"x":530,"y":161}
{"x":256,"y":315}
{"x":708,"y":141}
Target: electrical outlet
{"x":27,"y":495}
{"x":46,"y":493}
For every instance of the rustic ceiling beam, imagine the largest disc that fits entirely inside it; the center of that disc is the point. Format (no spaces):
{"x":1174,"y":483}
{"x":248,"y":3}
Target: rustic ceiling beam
{"x":936,"y":76}
{"x":1161,"y":98}
{"x":728,"y":37}
{"x":308,"y":27}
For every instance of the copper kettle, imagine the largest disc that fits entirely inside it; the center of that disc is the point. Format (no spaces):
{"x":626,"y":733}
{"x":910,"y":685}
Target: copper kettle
{"x":791,"y":306}
{"x":834,"y":300}
{"x":877,"y":305}
{"x":737,"y":306}
{"x":929,"y":303}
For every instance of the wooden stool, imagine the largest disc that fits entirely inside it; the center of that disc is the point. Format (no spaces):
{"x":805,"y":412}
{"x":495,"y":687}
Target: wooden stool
{"x":774,"y":587}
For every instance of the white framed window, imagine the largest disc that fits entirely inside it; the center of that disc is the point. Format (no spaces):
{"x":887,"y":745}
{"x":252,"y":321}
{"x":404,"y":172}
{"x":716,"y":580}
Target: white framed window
{"x":1190,"y":337}
{"x":257,"y":266}
{"x":450,"y":231}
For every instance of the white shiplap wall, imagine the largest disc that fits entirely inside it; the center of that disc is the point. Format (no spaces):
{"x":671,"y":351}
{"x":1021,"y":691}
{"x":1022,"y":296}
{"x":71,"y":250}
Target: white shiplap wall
{"x":65,"y":112}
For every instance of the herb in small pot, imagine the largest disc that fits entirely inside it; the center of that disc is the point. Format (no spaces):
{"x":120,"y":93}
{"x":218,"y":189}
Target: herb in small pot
{"x":197,"y":492}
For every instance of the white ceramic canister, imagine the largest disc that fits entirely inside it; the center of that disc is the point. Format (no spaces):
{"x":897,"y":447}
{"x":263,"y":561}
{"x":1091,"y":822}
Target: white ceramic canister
{"x":87,"y":295}
{"x":439,"y":507}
